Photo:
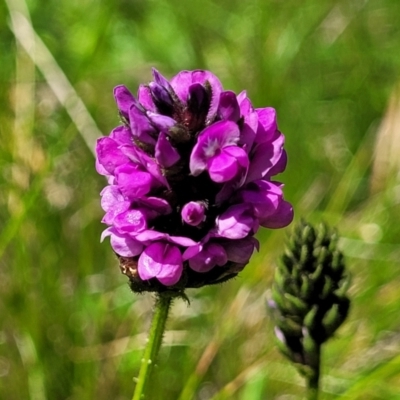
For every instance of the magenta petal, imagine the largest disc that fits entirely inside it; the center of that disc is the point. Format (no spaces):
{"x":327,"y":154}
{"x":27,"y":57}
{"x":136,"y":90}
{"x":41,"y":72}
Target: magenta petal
{"x":110,"y":196}
{"x":130,"y":221}
{"x":165,"y":154}
{"x":160,"y":79}
{"x":282,"y":217}
{"x":264,"y":196}
{"x":150,"y":235}
{"x":222,"y":167}
{"x":140,"y":125}
{"x":124,"y":245}
{"x":161,"y":122}
{"x":156,"y":204}
{"x":100,"y":169}
{"x":122,"y":135}
{"x":132,"y":182}
{"x":147,"y":163}
{"x":211,"y":255}
{"x":240,"y":251}
{"x":124,"y":99}
{"x":192,"y":251}
{"x":109,"y":154}
{"x":181,"y":241}
{"x":279,"y":167}
{"x":264,"y":157}
{"x":228,"y":107}
{"x":181,"y":82}
{"x":145,"y":99}
{"x":115,"y":210}
{"x":162,"y":261}
{"x":267,"y":120}
{"x":236,"y":222}
{"x":210,"y":141}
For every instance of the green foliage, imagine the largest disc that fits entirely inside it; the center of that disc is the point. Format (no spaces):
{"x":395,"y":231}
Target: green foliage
{"x":70,"y":328}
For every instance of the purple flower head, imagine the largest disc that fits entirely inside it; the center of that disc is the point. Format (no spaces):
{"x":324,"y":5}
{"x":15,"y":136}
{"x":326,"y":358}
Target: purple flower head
{"x":189,"y":181}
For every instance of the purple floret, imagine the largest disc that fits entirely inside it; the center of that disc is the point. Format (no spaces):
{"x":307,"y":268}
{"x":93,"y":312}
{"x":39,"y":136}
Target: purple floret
{"x":189,"y":176}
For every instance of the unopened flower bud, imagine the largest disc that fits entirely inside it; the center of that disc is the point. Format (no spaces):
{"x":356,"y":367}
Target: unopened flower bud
{"x":193,"y":213}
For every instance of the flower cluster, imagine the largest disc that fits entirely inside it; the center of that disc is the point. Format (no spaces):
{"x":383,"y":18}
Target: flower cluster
{"x":189,"y":181}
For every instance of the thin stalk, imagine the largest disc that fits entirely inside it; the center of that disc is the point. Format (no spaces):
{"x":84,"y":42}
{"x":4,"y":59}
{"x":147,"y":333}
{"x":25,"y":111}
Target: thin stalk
{"x":153,"y":345}
{"x":313,"y":380}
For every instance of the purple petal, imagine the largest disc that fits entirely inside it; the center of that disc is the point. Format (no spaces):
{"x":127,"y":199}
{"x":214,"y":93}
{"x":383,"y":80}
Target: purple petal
{"x":264,"y":157}
{"x":181,"y":82}
{"x":162,"y":261}
{"x":130,"y":221}
{"x":115,"y":210}
{"x":279,"y":167}
{"x":161,"y":97}
{"x":110,"y":196}
{"x":124,"y":99}
{"x":122,"y":135}
{"x":211,"y":255}
{"x":240,"y":251}
{"x":160,"y":79}
{"x":147,"y":163}
{"x":241,"y":96}
{"x":131,"y":182}
{"x":241,"y":158}
{"x":198,"y":100}
{"x":226,"y":165}
{"x":145,"y":99}
{"x":267,"y":124}
{"x":109,"y":154}
{"x":282,"y":217}
{"x":161,"y":122}
{"x":193,"y":213}
{"x":140,"y":125}
{"x":222,"y":167}
{"x":210,"y":141}
{"x":228,"y":107}
{"x":236,"y":222}
{"x":264,"y":196}
{"x":100,"y":169}
{"x":165,"y":154}
{"x":150,"y":235}
{"x":161,"y":206}
{"x":123,"y":244}
{"x":181,"y":241}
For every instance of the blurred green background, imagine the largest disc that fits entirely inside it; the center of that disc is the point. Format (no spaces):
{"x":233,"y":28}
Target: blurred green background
{"x":69,"y":326}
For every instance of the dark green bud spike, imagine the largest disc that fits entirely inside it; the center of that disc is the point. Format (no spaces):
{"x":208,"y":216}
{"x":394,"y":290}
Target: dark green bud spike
{"x":304,"y":255}
{"x":310,"y":319}
{"x":296,"y":303}
{"x":309,"y":293}
{"x":328,"y":288}
{"x":306,"y":287}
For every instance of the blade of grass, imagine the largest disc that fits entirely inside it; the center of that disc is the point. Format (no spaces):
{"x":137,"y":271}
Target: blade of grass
{"x":54,"y":75}
{"x":386,"y":370}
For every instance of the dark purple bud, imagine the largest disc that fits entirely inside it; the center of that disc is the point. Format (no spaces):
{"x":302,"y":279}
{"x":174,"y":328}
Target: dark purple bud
{"x":198,"y":104}
{"x":161,"y":98}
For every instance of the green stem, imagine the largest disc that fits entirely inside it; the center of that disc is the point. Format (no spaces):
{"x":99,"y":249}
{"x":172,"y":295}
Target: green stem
{"x":153,"y":345}
{"x":313,"y":380}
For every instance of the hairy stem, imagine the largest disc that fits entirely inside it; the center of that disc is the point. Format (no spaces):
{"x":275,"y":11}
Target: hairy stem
{"x":153,"y":345}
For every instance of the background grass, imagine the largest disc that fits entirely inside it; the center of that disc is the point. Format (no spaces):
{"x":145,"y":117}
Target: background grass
{"x":69,"y":326}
